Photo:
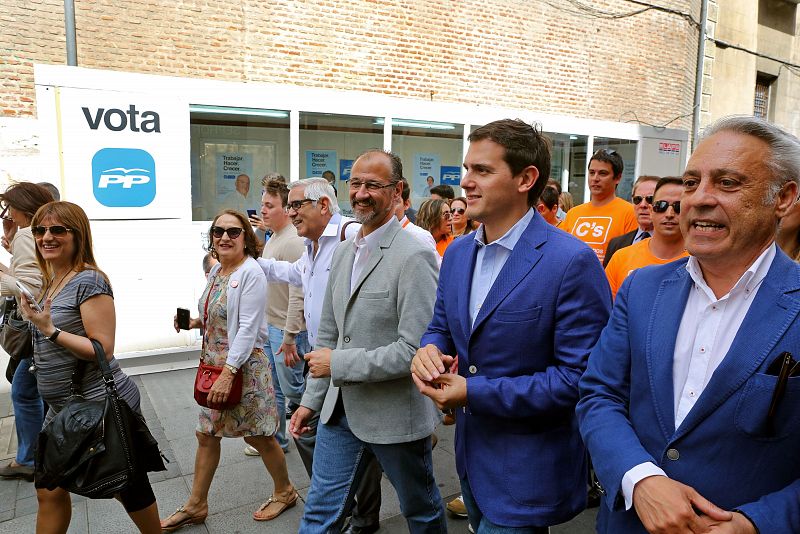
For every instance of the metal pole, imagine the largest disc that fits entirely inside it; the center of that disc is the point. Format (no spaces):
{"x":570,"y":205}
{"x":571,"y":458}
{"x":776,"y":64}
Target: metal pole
{"x":698,"y":80}
{"x":69,"y":26}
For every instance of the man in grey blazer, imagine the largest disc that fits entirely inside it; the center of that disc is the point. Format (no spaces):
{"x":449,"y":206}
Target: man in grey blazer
{"x":378,"y":302}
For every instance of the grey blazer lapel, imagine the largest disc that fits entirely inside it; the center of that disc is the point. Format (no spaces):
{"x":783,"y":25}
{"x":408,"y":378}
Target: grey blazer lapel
{"x":375,"y":256}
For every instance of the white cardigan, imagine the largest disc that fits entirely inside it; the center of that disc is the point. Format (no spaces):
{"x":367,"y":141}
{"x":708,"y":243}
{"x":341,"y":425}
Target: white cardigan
{"x":246,"y":306}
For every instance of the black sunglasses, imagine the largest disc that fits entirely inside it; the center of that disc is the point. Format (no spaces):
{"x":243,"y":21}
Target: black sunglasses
{"x":56,"y":229}
{"x":233,"y":232}
{"x":638,"y":199}
{"x":460,"y":211}
{"x":606,"y":151}
{"x":662,"y":205}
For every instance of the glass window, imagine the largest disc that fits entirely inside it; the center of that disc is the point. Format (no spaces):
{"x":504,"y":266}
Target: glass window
{"x":627,"y":149}
{"x":330,"y":143}
{"x":232,"y":149}
{"x":568,"y":163}
{"x":431,"y":154}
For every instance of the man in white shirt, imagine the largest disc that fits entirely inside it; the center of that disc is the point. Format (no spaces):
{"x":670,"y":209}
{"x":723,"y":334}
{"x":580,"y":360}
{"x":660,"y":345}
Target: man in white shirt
{"x":421,"y":234}
{"x":690,"y":405}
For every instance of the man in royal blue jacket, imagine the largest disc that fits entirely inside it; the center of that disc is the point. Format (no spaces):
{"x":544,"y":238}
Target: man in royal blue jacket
{"x":690,"y":406}
{"x":521,"y":303}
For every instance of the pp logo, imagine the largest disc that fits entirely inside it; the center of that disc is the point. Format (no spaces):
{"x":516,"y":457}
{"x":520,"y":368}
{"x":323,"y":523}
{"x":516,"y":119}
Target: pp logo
{"x":123,"y":177}
{"x":592,"y":230}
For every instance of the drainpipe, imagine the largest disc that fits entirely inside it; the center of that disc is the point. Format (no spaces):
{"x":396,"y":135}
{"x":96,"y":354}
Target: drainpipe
{"x":69,"y":26}
{"x":698,"y":78}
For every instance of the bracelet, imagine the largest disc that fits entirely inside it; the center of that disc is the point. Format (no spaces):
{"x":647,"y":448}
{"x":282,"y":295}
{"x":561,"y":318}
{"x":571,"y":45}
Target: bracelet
{"x":231,"y":368}
{"x":52,"y":337}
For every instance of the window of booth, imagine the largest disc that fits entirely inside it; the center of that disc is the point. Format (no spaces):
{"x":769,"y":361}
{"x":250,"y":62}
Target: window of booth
{"x":330,"y":143}
{"x":232,"y":149}
{"x":627,"y":149}
{"x":432,"y":154}
{"x":568,"y":163}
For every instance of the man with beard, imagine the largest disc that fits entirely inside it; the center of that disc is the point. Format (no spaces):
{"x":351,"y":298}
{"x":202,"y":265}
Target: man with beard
{"x":380,"y":295}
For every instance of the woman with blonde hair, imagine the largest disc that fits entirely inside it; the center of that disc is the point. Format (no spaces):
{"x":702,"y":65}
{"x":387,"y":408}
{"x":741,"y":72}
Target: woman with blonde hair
{"x":233,"y":320}
{"x":77,"y":306}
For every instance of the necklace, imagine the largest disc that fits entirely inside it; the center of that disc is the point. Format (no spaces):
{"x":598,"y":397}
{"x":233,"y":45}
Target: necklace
{"x":232,"y":268}
{"x":51,"y":293}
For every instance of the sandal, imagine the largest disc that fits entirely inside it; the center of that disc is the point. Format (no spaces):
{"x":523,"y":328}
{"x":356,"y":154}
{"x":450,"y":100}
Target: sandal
{"x":188,"y":520}
{"x":275,"y":506}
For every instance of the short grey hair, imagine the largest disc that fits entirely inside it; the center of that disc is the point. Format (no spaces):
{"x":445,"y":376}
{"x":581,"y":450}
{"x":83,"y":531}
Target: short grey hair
{"x":316,"y":188}
{"x":784,"y":159}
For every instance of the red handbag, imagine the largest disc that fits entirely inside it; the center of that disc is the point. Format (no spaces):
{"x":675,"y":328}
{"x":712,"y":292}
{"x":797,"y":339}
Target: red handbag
{"x":205,"y":378}
{"x":208,"y":374}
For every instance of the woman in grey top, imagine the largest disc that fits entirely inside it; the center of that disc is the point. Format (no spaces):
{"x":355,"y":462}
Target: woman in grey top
{"x":77,"y":305}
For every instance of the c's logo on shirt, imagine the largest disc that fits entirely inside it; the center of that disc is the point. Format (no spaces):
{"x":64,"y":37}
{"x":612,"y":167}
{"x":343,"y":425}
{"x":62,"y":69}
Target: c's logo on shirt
{"x":592,"y":230}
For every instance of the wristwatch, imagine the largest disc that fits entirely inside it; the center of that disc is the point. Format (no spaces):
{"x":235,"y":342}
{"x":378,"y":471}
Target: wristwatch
{"x":231,"y":368}
{"x":52,"y":337}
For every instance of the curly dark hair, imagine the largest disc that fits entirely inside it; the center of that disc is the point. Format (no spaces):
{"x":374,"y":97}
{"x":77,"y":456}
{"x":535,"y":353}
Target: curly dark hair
{"x":252,"y":247}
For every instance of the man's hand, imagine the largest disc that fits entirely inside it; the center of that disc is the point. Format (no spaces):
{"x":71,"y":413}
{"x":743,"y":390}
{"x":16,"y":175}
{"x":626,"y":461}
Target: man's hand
{"x":738,"y":525}
{"x":666,"y":506}
{"x":429,"y":363}
{"x":290,"y":356}
{"x":451,"y":391}
{"x":319,"y":362}
{"x":298,"y":425}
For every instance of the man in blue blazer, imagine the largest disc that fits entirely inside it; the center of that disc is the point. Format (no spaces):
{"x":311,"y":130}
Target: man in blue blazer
{"x":521,"y":303}
{"x":690,"y":406}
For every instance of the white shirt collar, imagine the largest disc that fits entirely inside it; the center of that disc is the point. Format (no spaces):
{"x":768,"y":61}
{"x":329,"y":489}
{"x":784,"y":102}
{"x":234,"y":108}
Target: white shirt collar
{"x":747,"y":283}
{"x":373,"y":239}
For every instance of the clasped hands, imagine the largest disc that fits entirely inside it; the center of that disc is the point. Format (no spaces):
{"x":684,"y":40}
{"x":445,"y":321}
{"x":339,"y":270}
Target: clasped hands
{"x":429,"y":371}
{"x":666,"y":506}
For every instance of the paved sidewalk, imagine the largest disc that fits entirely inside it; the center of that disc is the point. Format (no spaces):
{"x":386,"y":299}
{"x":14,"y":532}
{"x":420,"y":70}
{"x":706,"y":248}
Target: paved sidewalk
{"x":240,"y":485}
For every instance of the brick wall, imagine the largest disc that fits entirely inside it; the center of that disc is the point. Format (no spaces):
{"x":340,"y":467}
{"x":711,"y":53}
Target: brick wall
{"x":518,"y":53}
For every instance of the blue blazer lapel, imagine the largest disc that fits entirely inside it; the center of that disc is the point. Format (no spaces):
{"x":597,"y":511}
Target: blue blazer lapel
{"x":662,"y":332}
{"x":466,"y":265}
{"x":770,"y":315}
{"x":522,"y":259}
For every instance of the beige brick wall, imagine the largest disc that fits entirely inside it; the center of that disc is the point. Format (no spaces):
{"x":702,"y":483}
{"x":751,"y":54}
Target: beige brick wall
{"x":520,"y":54}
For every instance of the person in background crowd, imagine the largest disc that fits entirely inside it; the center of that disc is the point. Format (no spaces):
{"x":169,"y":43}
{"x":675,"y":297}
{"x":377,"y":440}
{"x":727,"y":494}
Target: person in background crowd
{"x":689,"y":405}
{"x":555,"y":184}
{"x":77,"y":297}
{"x":664,"y":246}
{"x":313,"y":210}
{"x":641,"y":198}
{"x":19,"y":203}
{"x":605,"y":216}
{"x":331,"y":179}
{"x":547,"y":206}
{"x":461,"y":224}
{"x":434,"y":216}
{"x":442,"y":192}
{"x":209,"y":261}
{"x":287,"y":340}
{"x":522,"y":338}
{"x":379,"y":297}
{"x":565,"y":202}
{"x":255,"y":220}
{"x":51,"y":188}
{"x":234,"y":332}
{"x":789,"y":233}
{"x":422,"y":235}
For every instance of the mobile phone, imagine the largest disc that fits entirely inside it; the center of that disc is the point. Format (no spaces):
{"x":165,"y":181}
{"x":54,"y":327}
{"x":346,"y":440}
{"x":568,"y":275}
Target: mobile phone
{"x":183,"y":319}
{"x":24,"y":291}
{"x":251,"y":213}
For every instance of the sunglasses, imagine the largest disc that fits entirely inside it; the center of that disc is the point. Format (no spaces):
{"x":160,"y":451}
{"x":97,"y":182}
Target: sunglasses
{"x":605,"y":151}
{"x":3,"y":213}
{"x":233,"y":232}
{"x":662,"y":205}
{"x":297,"y":204}
{"x":56,"y":230}
{"x":638,"y":199}
{"x":460,"y":211}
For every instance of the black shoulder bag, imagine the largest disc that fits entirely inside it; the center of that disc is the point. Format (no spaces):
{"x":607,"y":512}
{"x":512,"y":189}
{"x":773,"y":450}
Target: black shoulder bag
{"x":15,"y":336}
{"x":95,"y":448}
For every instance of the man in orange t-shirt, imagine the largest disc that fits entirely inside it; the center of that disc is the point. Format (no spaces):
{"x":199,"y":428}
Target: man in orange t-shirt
{"x":605,"y":216}
{"x":665,"y":246}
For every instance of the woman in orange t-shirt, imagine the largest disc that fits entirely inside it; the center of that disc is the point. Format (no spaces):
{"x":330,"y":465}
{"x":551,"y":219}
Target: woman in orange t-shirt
{"x":434,"y":216}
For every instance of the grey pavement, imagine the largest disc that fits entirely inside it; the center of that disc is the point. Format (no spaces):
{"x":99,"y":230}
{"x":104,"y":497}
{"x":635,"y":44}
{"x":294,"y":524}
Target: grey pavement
{"x":240,"y":485}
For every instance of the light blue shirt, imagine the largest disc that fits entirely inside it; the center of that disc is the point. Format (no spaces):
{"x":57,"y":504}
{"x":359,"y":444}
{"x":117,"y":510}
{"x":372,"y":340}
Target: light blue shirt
{"x":490,"y":261}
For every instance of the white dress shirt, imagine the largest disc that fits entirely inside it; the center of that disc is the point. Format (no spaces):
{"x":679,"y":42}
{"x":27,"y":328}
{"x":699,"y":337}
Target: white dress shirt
{"x":311,"y":271}
{"x":705,"y":335}
{"x":364,"y":245}
{"x":422,"y":235}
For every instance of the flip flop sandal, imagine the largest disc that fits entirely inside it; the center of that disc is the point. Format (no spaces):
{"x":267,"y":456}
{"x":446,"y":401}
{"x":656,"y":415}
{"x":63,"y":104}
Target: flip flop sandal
{"x":189,"y":520}
{"x":282,"y":506}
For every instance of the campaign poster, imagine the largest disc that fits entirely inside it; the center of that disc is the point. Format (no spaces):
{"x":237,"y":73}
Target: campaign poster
{"x":229,"y":166}
{"x":451,"y":175}
{"x":320,"y":161}
{"x":427,"y":170}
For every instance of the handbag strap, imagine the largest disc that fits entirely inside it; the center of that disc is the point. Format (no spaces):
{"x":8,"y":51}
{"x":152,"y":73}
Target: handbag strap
{"x":205,"y":317}
{"x":105,"y":370}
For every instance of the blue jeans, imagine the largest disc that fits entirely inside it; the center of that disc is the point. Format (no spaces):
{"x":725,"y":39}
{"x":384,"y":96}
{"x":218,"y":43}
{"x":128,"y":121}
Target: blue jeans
{"x":339,"y":463}
{"x":28,"y":411}
{"x":482,"y":525}
{"x":280,"y":402}
{"x":291,"y":379}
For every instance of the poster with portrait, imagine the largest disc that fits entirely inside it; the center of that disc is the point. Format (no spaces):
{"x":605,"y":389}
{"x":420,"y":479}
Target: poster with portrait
{"x":427,"y":169}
